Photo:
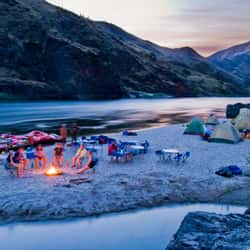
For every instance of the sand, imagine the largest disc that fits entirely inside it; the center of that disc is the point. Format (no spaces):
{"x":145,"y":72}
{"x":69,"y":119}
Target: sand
{"x":144,"y":182}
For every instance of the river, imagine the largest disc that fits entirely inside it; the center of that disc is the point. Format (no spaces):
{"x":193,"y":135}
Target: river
{"x":142,"y":229}
{"x":107,"y":116}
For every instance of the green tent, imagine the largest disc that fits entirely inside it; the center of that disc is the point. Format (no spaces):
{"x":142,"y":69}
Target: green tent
{"x":225,"y":133}
{"x":195,"y":127}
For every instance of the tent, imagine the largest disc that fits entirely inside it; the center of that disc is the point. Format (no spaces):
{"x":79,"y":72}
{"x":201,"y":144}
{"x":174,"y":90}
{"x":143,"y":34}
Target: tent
{"x":242,"y":121}
{"x":212,"y":120}
{"x":225,"y":133}
{"x":195,"y":127}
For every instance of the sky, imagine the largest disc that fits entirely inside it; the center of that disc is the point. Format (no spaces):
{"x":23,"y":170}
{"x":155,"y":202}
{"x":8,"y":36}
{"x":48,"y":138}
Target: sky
{"x":205,"y":25}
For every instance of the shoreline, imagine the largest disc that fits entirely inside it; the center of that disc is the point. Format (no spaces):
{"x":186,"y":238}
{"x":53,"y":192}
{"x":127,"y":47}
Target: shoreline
{"x":143,"y":183}
{"x":114,"y":213}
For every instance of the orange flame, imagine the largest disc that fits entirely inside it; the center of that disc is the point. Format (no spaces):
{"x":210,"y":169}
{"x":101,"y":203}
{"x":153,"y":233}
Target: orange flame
{"x":53,"y":171}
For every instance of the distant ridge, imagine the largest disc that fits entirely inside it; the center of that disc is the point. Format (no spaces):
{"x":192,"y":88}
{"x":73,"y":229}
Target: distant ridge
{"x":50,"y":53}
{"x":235,"y":60}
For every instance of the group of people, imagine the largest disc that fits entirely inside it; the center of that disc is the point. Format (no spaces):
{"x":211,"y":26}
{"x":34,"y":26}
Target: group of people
{"x":19,"y":161}
{"x":74,"y":132}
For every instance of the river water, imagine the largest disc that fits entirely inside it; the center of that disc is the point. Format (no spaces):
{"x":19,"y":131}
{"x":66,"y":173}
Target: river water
{"x":136,"y":230}
{"x":107,"y":116}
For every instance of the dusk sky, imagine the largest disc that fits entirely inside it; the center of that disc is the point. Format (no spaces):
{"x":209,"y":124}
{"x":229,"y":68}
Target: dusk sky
{"x":206,"y":25}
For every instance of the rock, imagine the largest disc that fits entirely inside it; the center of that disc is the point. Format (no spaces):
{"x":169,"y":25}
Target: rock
{"x":234,"y":109}
{"x":50,"y":53}
{"x":202,"y":230}
{"x":247,"y":211}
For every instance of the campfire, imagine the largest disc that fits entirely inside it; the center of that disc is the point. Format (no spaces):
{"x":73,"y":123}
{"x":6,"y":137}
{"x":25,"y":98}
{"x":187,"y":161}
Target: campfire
{"x":53,"y":171}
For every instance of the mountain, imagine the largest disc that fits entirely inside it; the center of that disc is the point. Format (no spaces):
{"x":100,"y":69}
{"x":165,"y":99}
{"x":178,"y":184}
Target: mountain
{"x":50,"y":53}
{"x":235,"y":60}
{"x":183,"y":55}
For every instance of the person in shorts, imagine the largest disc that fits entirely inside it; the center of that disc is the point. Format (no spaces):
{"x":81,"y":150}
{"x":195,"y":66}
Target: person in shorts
{"x":58,"y":156}
{"x":40,"y":157}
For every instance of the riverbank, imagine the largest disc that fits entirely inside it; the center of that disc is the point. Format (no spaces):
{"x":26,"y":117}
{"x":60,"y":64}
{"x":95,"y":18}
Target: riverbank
{"x":144,"y":182}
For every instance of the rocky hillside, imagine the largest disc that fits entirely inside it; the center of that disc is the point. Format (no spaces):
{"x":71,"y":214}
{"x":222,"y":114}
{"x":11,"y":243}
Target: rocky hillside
{"x":50,"y":53}
{"x":235,"y":60}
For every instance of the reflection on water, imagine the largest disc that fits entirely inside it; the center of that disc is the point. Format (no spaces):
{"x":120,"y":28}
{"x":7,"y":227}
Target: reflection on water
{"x":102,"y":116}
{"x":144,"y":229}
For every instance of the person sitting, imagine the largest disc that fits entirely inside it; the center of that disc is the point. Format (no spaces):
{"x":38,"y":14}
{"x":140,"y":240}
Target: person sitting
{"x":58,"y":156}
{"x":80,"y":154}
{"x":9,"y":164}
{"x":112,"y":148}
{"x":92,"y":161}
{"x":17,"y":161}
{"x":40,"y":157}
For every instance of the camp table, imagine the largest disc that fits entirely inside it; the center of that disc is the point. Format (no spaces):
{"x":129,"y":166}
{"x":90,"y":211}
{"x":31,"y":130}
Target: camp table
{"x":88,"y":142}
{"x":170,"y":153}
{"x":91,"y":145}
{"x":136,"y":149}
{"x":131,"y":143}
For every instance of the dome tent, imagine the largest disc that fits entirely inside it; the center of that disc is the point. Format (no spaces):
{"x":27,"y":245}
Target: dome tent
{"x":195,"y":127}
{"x":212,"y":120}
{"x":225,"y":133}
{"x":242,"y":121}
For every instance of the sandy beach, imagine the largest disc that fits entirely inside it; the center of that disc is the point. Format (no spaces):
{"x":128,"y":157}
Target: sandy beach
{"x":144,"y":182}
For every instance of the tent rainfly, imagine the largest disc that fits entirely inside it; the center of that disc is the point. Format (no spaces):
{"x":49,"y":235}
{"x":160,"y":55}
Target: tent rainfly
{"x":195,"y":127}
{"x":212,"y":120}
{"x":225,"y":133}
{"x":242,"y":121}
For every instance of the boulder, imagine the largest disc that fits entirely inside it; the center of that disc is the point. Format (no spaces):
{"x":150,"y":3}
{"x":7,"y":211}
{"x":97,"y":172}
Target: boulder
{"x":202,"y":230}
{"x":234,"y":109}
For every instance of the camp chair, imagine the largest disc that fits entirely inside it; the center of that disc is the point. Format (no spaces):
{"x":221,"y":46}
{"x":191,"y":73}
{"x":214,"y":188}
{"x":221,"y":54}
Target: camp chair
{"x":126,"y":143}
{"x":121,"y":156}
{"x":76,"y":144}
{"x":178,"y":158}
{"x":118,"y":155}
{"x":129,"y":133}
{"x":94,"y":138}
{"x":146,"y":146}
{"x":12,"y":170}
{"x":110,"y":140}
{"x":30,"y":156}
{"x":160,"y":154}
{"x":103,"y":139}
{"x":185,"y":156}
{"x":93,"y":150}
